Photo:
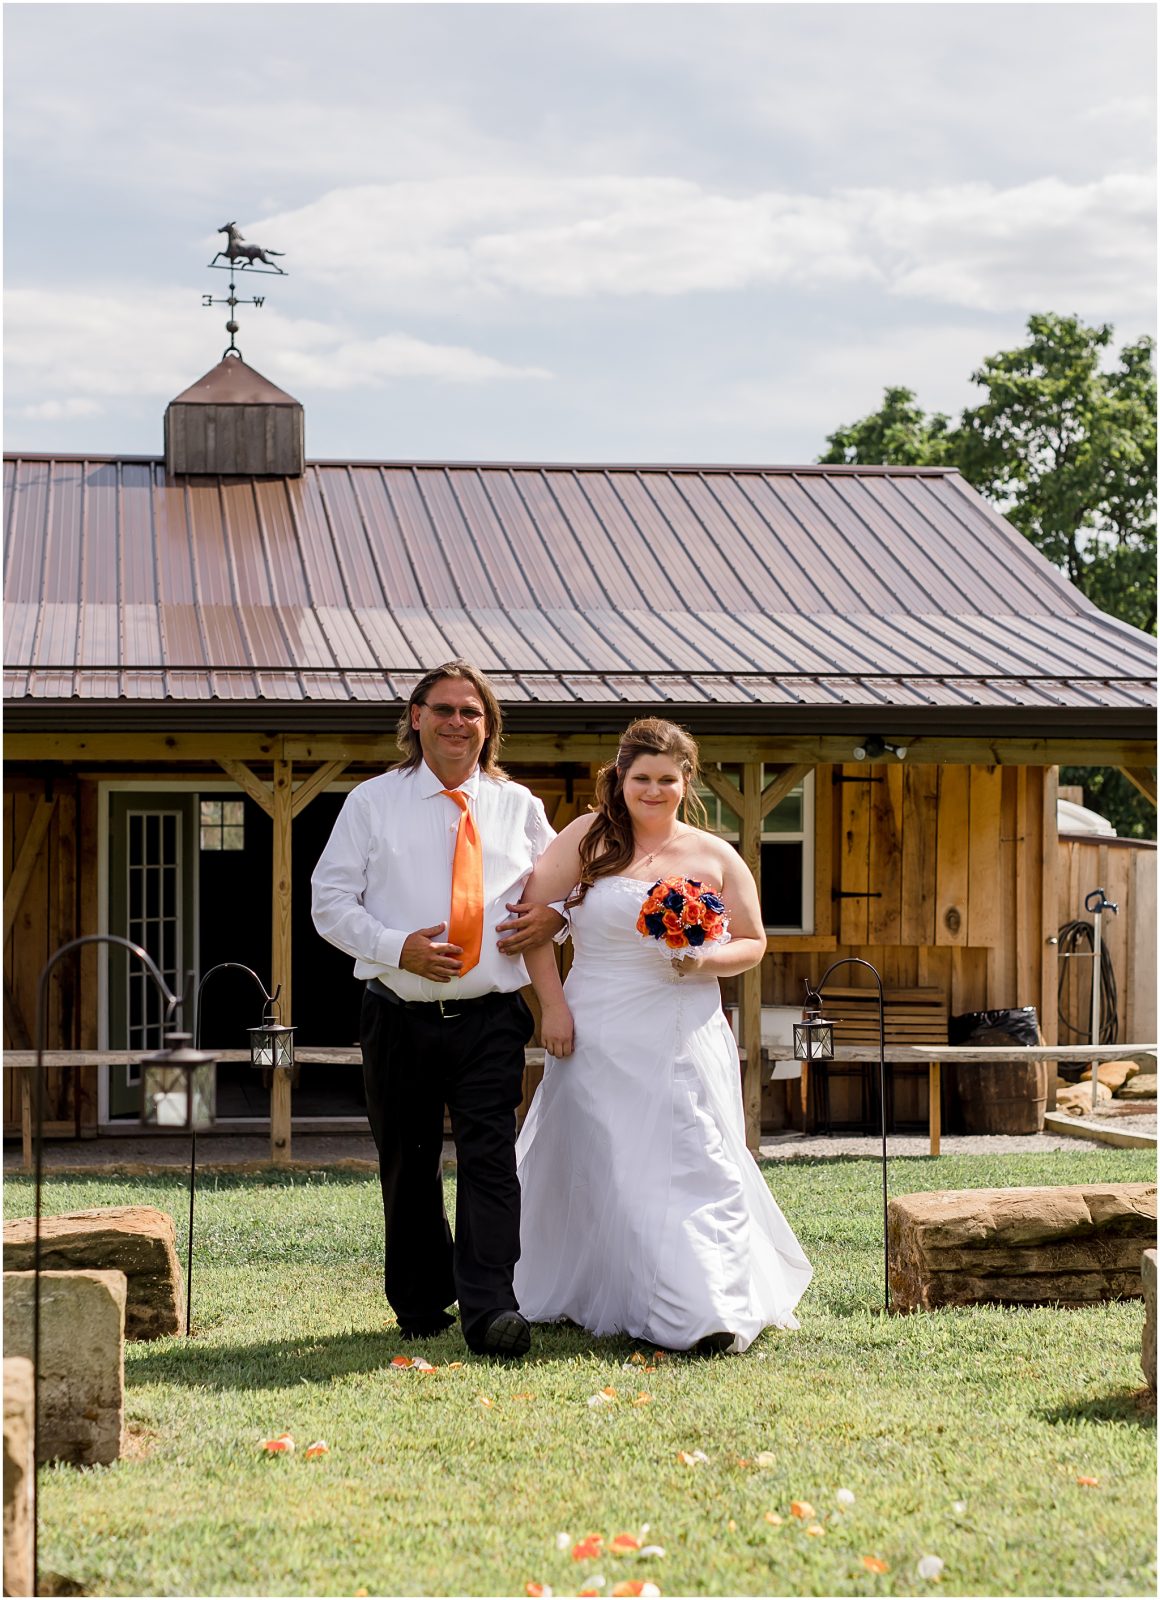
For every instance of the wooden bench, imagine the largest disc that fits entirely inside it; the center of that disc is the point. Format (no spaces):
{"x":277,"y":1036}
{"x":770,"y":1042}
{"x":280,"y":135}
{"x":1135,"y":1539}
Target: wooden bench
{"x":915,"y":1016}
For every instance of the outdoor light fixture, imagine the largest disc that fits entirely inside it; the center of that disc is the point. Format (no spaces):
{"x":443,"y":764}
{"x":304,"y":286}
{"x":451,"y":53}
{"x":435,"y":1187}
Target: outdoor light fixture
{"x":874,"y":747}
{"x":813,"y":1040}
{"x":176,"y":1079}
{"x":271,"y":1045}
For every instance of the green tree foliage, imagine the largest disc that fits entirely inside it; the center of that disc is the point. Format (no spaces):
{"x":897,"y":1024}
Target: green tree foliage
{"x":1064,"y":444}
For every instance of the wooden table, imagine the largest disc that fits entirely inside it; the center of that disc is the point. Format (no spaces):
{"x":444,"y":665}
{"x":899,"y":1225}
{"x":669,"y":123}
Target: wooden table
{"x":933,"y":1055}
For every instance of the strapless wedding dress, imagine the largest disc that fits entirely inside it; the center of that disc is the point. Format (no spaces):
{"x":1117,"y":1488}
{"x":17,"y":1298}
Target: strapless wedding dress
{"x":643,"y":1212}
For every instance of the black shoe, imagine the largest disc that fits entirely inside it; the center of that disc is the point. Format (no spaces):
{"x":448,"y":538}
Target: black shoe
{"x":427,"y":1327}
{"x":507,"y":1334}
{"x":713,"y":1344}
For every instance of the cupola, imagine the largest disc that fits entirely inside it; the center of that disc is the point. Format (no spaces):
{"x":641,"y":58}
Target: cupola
{"x":234,"y":422}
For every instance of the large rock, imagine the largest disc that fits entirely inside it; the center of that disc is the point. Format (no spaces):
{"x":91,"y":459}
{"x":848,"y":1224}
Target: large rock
{"x":136,"y":1240}
{"x":1141,"y":1087}
{"x":1070,"y":1245}
{"x":82,"y":1360}
{"x":1114,"y":1073}
{"x":1076,"y":1100}
{"x":17,"y":1475}
{"x":1148,"y":1348}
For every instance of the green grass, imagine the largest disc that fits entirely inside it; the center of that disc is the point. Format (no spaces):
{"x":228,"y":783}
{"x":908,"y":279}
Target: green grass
{"x":426,"y":1491}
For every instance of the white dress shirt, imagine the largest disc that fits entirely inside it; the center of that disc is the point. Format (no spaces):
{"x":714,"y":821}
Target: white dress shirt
{"x":386,"y":872}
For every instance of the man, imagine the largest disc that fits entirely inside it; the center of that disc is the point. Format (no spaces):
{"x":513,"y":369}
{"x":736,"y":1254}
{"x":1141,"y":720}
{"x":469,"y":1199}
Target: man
{"x":421,"y":862}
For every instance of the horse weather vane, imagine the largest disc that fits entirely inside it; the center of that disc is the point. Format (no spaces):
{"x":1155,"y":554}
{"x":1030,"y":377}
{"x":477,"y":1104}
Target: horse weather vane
{"x":240,"y":257}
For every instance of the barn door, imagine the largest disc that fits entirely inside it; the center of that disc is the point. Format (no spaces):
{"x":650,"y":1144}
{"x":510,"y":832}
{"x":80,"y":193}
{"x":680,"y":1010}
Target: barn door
{"x":152,"y":901}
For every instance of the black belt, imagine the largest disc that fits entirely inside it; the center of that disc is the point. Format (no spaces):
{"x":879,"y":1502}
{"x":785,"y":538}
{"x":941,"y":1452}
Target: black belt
{"x":444,"y":1009}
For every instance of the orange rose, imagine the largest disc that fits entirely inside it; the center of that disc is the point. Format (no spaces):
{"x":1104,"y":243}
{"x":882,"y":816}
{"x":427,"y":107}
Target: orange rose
{"x":672,"y":922}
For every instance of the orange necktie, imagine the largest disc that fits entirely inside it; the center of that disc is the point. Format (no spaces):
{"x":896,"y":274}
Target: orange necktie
{"x":466,"y":925}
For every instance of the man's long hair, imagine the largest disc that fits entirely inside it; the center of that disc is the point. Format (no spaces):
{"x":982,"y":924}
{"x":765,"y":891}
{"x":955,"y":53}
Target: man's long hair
{"x":609,"y":845}
{"x":407,"y":738}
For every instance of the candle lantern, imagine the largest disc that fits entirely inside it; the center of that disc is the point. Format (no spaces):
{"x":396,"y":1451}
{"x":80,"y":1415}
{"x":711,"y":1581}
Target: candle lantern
{"x":178,"y":1087}
{"x":813,"y":1037}
{"x":271,"y":1044}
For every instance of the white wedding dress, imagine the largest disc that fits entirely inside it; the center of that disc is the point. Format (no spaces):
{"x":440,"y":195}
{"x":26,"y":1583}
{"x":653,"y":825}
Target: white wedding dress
{"x":643,"y":1212}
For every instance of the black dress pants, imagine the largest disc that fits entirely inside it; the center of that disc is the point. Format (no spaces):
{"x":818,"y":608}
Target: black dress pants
{"x":415,"y":1062}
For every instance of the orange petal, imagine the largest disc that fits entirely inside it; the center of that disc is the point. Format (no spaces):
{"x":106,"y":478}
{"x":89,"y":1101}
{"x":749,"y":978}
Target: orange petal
{"x":359,"y":1593}
{"x":400,"y":1361}
{"x":452,"y":1364}
{"x":318,"y":1448}
{"x":537,"y":1589}
{"x":874,"y":1564}
{"x":624,"y":1543}
{"x":773,"y":1518}
{"x":1089,"y":1483}
{"x":282,"y":1446}
{"x":484,"y":1401}
{"x":815,"y":1531}
{"x":588,"y":1591}
{"x":731,"y":1525}
{"x":610,"y":1392}
{"x":634,"y":1586}
{"x":802,"y":1509}
{"x":643,"y":1399}
{"x":588,"y":1549}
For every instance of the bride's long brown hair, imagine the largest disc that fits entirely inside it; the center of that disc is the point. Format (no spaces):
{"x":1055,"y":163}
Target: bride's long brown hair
{"x":609,"y":845}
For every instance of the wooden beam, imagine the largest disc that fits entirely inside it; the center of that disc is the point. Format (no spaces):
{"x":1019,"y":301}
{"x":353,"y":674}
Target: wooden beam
{"x":25,"y":862}
{"x":724,"y":788}
{"x":751,"y":981}
{"x":280,"y":974}
{"x":313,"y":786}
{"x":811,"y":749}
{"x":1142,"y":778}
{"x":260,"y":793}
{"x":783,"y":780}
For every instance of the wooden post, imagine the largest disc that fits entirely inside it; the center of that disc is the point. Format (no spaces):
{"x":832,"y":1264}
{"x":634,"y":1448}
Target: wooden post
{"x":280,"y":956}
{"x":751,"y":981}
{"x":1048,"y":915}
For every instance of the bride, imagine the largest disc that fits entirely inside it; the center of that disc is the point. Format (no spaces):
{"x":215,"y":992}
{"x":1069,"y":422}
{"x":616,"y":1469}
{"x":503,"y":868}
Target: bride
{"x":643,"y":1211}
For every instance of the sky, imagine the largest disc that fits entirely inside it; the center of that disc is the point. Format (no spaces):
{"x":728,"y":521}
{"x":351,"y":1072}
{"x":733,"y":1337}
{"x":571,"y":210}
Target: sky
{"x":653,"y":233}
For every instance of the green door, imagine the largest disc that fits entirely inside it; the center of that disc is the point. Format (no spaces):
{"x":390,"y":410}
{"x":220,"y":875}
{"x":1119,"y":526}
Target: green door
{"x":153,"y":902}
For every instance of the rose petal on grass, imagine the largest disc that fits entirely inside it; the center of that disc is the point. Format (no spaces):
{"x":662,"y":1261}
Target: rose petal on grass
{"x":1088,"y":1483}
{"x":801,"y":1509}
{"x":731,"y":1525}
{"x":563,"y":1540}
{"x":815,"y":1531}
{"x":595,"y":1401}
{"x":653,"y":1551}
{"x":313,"y":1451}
{"x":773,"y":1519}
{"x":523,"y":1395}
{"x":643,"y":1399}
{"x":624,"y":1544}
{"x":874,"y":1564}
{"x":360,"y":1593}
{"x":401,"y":1361}
{"x":931,"y":1568}
{"x":765,"y":1458}
{"x":485,"y":1401}
{"x":610,"y":1392}
{"x":589,"y":1548}
{"x":844,"y":1497}
{"x":543,"y":1590}
{"x":692,"y":1458}
{"x":451,"y":1365}
{"x":419,"y":1365}
{"x":594,"y":1584}
{"x":959,"y":1505}
{"x":635,"y":1586}
{"x":283,"y":1445}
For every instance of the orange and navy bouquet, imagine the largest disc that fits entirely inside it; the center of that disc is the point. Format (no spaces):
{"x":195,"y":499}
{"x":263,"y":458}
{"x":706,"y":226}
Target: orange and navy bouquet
{"x":683,"y":916}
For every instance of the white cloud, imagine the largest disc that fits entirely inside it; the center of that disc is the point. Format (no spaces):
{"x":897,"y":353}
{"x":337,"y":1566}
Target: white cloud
{"x":72,"y":347}
{"x":466,"y":242}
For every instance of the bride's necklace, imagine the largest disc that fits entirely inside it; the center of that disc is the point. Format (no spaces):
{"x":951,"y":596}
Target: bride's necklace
{"x":647,"y":861}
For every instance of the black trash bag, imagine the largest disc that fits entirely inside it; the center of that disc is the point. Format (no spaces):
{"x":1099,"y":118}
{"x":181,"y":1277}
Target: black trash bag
{"x":1019,"y":1025}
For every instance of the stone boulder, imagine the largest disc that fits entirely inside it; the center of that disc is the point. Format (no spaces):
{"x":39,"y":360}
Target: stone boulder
{"x":1067,"y":1245}
{"x":1148,"y":1348}
{"x":1076,"y":1099}
{"x":1114,"y":1073}
{"x":82,"y":1360}
{"x":136,"y":1240}
{"x":17,"y":1475}
{"x":1141,"y":1087}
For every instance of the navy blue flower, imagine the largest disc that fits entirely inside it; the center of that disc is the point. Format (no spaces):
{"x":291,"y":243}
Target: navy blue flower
{"x":674,"y":901}
{"x":695,"y":935}
{"x":712,"y":902}
{"x":655,"y":923}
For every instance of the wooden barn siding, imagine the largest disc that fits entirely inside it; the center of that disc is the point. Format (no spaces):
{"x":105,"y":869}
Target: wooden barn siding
{"x":48,"y":915}
{"x":1126,"y":871}
{"x":931,"y":841}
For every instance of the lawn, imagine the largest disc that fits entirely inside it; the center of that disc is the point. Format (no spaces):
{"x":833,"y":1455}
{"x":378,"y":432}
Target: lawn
{"x":963,"y":1434}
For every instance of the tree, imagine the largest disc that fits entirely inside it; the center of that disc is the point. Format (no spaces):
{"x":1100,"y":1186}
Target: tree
{"x":1065,"y":446}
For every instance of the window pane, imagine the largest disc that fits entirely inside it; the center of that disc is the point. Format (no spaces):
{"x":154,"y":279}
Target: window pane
{"x":781,"y":885}
{"x":211,"y":811}
{"x":233,"y":839}
{"x":232,"y":812}
{"x":786,"y":816}
{"x":211,"y":838}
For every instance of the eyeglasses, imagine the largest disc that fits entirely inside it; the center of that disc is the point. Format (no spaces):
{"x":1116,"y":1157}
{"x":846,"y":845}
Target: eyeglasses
{"x":468,"y":713}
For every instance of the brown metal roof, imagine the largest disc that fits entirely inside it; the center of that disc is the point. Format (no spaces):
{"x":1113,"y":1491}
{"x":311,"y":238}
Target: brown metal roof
{"x":813,"y":591}
{"x":233,"y":383}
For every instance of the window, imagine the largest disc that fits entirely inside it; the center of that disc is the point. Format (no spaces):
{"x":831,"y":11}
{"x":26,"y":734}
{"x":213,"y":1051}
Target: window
{"x":787,"y":852}
{"x":222,"y":827}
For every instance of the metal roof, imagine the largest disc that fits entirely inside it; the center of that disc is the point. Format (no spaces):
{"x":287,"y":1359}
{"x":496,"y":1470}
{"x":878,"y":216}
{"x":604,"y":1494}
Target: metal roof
{"x":807,"y":591}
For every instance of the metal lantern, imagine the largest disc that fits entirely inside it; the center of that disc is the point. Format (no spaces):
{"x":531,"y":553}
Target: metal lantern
{"x":272,"y":1044}
{"x":813,"y":1037}
{"x":177,"y":1087}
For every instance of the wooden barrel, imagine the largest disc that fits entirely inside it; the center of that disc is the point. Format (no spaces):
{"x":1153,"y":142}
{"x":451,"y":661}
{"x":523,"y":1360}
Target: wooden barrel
{"x":1003,"y":1096}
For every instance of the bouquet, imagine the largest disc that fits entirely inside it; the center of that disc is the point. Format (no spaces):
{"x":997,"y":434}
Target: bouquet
{"x":683,"y":917}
